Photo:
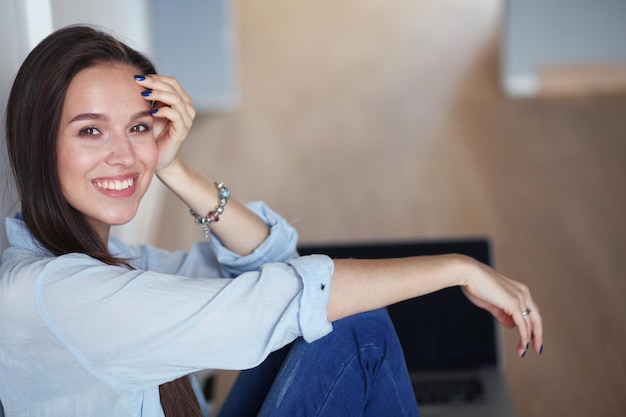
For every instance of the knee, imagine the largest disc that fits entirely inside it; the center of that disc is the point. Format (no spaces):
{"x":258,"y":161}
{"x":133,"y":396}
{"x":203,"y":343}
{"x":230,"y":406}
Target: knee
{"x":377,"y":318}
{"x":373,"y":327}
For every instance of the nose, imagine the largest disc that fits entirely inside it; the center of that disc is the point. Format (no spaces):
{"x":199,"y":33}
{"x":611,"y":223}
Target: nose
{"x":121,"y":151}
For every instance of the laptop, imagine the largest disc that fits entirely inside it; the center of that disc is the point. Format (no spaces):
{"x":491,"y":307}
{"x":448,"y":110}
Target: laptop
{"x":451,"y":347}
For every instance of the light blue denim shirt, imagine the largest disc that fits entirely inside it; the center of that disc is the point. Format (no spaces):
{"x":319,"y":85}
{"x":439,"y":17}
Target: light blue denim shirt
{"x":81,"y":338}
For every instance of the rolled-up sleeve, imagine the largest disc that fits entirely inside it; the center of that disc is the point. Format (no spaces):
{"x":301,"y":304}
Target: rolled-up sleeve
{"x":279,"y":246}
{"x":210,"y":258}
{"x":316,"y":272}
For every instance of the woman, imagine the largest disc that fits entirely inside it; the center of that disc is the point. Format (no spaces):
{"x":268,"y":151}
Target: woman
{"x":93,"y":326}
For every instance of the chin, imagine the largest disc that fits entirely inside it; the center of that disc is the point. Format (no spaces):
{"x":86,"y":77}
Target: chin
{"x":120,"y":222}
{"x":120,"y":219}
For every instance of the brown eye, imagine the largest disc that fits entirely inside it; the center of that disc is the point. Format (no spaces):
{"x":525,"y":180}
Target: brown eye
{"x":139,"y":128}
{"x":89,"y":131}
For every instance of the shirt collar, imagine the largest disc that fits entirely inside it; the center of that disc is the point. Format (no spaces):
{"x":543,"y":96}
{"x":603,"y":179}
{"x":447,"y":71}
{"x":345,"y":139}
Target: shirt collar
{"x":19,"y":235}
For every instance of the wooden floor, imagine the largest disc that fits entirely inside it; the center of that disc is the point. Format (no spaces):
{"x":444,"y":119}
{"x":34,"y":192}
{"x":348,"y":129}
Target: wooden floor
{"x":383,"y":120}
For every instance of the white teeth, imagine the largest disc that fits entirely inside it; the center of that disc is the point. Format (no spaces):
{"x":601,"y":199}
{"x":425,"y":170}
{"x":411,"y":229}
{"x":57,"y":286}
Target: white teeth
{"x":116,"y":184}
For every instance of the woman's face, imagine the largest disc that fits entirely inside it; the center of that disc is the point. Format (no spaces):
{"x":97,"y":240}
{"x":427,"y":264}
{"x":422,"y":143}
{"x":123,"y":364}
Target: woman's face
{"x":106,"y":150}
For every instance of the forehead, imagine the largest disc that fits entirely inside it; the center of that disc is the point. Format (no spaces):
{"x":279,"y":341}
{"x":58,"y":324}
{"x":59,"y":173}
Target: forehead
{"x":104,"y":85}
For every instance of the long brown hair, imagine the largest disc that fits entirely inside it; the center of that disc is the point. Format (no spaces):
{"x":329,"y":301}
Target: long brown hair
{"x":32,"y":124}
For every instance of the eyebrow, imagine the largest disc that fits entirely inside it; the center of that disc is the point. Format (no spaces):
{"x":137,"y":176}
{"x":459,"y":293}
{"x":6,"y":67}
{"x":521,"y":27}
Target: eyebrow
{"x":100,"y":116}
{"x":88,"y":116}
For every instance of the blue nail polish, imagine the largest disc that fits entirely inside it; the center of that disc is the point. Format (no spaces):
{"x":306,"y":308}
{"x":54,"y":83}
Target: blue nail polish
{"x":524,"y":354}
{"x":146,"y":93}
{"x":541,"y":350}
{"x":139,"y":77}
{"x":153,"y":111}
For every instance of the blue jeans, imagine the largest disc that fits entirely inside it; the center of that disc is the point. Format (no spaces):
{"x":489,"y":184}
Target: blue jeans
{"x":356,"y":370}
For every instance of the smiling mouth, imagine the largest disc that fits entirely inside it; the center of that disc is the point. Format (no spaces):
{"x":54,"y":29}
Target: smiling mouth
{"x":116,"y":185}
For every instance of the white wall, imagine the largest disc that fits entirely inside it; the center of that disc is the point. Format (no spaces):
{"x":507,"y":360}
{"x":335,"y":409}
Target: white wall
{"x":556,"y":33}
{"x":129,"y":20}
{"x":11,"y":58}
{"x":22,"y":25}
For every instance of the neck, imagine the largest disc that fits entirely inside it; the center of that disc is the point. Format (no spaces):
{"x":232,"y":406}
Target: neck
{"x":103,"y":231}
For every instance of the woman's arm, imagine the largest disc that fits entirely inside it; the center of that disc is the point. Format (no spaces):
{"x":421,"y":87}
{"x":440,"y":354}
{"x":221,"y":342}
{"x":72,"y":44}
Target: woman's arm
{"x":362,"y":285}
{"x":239,"y":229}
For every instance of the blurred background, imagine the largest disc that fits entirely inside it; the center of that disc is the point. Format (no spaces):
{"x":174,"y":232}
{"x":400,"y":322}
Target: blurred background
{"x":410,"y":119}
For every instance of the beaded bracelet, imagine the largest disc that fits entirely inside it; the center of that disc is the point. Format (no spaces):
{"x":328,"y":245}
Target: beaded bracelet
{"x":213,"y":215}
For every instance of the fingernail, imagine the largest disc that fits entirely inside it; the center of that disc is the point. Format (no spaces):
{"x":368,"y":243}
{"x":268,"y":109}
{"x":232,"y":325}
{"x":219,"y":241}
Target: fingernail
{"x":523,"y":354}
{"x":139,"y":77}
{"x":146,"y":93}
{"x":154,"y":111}
{"x":541,"y":350}
{"x":527,"y":346}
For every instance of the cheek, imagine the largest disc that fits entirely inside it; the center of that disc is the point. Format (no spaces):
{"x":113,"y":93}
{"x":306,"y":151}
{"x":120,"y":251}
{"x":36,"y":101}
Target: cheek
{"x":71,"y":165}
{"x":149,"y":154}
{"x":73,"y":169}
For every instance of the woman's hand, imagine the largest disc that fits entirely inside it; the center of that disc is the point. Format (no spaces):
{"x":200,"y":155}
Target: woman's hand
{"x":362,"y":285}
{"x":509,"y":302}
{"x":173,"y":113}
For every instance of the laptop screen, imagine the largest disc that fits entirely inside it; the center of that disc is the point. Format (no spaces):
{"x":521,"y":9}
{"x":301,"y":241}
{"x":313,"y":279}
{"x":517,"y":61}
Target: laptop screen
{"x":438,"y":331}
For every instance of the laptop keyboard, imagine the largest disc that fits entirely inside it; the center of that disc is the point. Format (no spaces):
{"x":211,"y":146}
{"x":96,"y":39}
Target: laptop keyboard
{"x":457,"y":391}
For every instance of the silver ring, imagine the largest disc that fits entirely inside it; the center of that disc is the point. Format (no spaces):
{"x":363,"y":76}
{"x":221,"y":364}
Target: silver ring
{"x":526,"y":313}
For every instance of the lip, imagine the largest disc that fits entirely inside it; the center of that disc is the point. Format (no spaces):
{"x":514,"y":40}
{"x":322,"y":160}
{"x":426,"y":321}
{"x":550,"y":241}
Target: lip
{"x":121,"y":186}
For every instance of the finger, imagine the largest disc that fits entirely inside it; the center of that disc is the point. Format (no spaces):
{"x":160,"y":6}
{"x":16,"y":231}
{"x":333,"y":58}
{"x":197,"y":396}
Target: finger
{"x":524,"y":331}
{"x":165,"y":83}
{"x":170,"y":97}
{"x":537,"y":327}
{"x":168,"y":92}
{"x":173,"y":101}
{"x":177,"y":114}
{"x":524,"y":311}
{"x":533,"y":318}
{"x":178,"y":127}
{"x":518,"y":314}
